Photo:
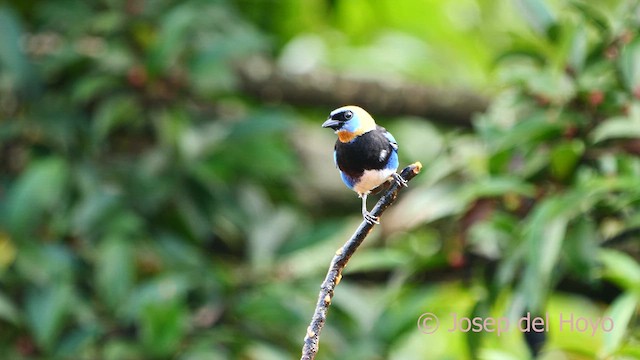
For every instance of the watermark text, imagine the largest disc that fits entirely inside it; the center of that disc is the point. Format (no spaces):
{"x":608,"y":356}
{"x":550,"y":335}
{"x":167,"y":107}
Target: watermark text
{"x":429,"y":323}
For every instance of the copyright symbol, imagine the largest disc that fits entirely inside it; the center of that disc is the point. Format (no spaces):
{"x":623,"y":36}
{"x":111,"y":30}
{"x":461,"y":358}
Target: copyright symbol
{"x":428,"y":323}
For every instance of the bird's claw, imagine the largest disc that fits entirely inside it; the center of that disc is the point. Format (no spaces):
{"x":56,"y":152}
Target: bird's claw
{"x":370,"y":218}
{"x":400,"y":180}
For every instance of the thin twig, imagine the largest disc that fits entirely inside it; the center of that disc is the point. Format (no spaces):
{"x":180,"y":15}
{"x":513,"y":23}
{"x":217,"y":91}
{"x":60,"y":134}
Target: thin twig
{"x":343,"y":254}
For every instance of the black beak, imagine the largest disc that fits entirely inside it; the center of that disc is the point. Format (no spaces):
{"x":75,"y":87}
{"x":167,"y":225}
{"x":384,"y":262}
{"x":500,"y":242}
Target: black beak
{"x":331,"y":123}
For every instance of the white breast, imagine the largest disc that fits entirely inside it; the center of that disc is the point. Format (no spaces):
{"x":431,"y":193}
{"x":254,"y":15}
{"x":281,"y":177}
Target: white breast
{"x":371,"y":179}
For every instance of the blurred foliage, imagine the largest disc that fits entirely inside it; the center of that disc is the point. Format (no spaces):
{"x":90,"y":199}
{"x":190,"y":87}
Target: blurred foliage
{"x":389,"y":39}
{"x":150,"y":210}
{"x":556,"y":136}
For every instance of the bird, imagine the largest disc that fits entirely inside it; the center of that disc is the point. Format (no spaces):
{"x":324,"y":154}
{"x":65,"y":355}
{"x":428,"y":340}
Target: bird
{"x":365,"y":153}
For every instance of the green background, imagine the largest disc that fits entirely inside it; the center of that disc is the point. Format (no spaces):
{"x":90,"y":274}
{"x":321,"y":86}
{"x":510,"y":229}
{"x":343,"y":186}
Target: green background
{"x":153,"y":206}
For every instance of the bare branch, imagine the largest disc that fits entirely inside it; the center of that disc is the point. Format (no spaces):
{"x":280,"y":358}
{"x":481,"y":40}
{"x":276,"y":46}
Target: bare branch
{"x":260,"y":78}
{"x":343,"y":254}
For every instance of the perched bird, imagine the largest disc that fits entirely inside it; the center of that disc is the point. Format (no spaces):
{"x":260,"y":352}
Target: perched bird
{"x":366,"y":154}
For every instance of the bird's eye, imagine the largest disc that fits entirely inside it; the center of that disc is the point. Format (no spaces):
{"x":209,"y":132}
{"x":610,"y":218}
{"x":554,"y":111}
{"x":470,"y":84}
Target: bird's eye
{"x":348,"y":115}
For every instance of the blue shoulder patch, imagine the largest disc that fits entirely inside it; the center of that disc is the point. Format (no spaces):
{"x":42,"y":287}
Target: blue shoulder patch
{"x":392,"y":140}
{"x":393,"y":162}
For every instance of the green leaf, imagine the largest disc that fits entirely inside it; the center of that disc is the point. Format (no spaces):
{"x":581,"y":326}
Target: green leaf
{"x":8,"y":252}
{"x":532,"y":129}
{"x":77,"y":340}
{"x":579,"y":48}
{"x":8,"y":311}
{"x":474,"y":340}
{"x":544,"y":236}
{"x":118,"y":349}
{"x":268,"y":235}
{"x":46,"y":310}
{"x":160,"y":290}
{"x":178,"y":253}
{"x":592,"y":14}
{"x":621,"y":269}
{"x":491,"y":235}
{"x":92,"y":87}
{"x":497,"y":354}
{"x":95,"y":213}
{"x":12,"y":56}
{"x":163,"y":326}
{"x":429,"y":204}
{"x":556,"y":86}
{"x":205,"y":349}
{"x":621,"y":312}
{"x":376,"y":260}
{"x":355,"y":301}
{"x":618,"y":127}
{"x":113,"y":112}
{"x":565,"y":157}
{"x":172,"y":38}
{"x":629,"y":65}
{"x":497,"y":186}
{"x":115,"y":270}
{"x":259,"y":351}
{"x":580,"y":247}
{"x":43,"y":264}
{"x":38,"y":190}
{"x":537,"y":13}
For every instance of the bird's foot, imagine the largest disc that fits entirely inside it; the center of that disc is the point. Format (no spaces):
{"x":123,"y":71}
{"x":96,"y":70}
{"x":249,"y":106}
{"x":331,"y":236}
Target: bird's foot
{"x":373,"y":220}
{"x":400,"y":180}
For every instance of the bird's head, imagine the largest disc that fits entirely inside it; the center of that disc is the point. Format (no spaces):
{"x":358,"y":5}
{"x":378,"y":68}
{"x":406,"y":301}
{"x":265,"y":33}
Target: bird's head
{"x":349,"y":122}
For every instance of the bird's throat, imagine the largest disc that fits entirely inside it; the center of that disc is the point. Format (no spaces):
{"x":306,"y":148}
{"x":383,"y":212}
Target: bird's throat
{"x":348,"y":136}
